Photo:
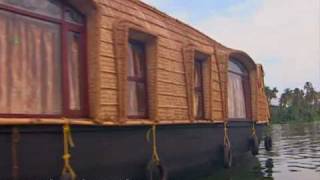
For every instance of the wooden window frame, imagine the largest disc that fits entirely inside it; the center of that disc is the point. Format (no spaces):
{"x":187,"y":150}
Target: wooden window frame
{"x":65,"y":27}
{"x":246,"y":89}
{"x":191,"y":53}
{"x":123,"y":32}
{"x":142,"y":80}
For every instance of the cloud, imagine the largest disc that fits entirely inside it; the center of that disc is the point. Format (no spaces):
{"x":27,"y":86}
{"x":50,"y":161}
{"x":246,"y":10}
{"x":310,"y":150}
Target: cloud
{"x":283,"y":35}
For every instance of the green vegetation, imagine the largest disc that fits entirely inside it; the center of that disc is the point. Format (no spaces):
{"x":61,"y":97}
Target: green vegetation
{"x":295,"y":105}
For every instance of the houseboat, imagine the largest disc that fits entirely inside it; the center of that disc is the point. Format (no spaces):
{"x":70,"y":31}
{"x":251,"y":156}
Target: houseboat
{"x":115,"y":89}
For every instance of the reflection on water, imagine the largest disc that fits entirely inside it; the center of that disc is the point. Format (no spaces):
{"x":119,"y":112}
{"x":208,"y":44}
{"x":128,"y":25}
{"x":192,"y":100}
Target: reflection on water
{"x":295,"y":155}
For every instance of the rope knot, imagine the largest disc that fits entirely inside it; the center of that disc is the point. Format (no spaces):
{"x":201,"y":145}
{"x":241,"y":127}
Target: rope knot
{"x":152,"y":132}
{"x":66,"y":156}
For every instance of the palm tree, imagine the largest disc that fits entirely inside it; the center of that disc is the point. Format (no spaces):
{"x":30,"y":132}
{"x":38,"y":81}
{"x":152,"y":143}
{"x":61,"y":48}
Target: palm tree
{"x":271,"y":93}
{"x":298,"y":97}
{"x":286,"y":98}
{"x":299,"y":104}
{"x":310,"y":94}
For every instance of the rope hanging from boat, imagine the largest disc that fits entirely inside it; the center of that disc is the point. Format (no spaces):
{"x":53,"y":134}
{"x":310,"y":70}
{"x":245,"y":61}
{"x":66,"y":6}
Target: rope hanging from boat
{"x":15,"y":142}
{"x":253,"y":129}
{"x":268,"y":128}
{"x":155,"y":155}
{"x":226,"y":135}
{"x":254,"y":140}
{"x":227,"y":150}
{"x":268,"y":138}
{"x":67,"y":143}
{"x":155,"y":169}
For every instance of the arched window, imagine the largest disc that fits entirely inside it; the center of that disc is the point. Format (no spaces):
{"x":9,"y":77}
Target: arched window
{"x":42,"y":59}
{"x":238,"y":90}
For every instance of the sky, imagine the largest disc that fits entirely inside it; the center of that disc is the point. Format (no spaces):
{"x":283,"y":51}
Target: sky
{"x":282,"y":35}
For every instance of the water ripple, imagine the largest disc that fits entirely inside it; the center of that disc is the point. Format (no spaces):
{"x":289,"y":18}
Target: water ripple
{"x":295,"y":155}
{"x":296,"y":152}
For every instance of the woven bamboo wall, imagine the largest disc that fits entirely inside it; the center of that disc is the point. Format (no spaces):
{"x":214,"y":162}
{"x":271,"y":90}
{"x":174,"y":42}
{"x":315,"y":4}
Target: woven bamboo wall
{"x":262,"y":104}
{"x":171,"y":84}
{"x":171,"y":81}
{"x":220,"y":97}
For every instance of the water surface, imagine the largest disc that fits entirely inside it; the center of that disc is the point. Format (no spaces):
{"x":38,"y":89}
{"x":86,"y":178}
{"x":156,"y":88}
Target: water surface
{"x":295,"y":155}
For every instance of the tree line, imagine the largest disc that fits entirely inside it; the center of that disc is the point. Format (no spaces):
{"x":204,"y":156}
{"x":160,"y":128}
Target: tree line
{"x":294,"y":104}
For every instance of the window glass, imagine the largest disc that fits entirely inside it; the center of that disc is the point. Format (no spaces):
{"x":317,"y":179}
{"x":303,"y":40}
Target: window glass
{"x":136,"y":61}
{"x":198,"y":105}
{"x":74,"y":70}
{"x":195,"y":104}
{"x":46,"y":7}
{"x":73,"y":16}
{"x":141,"y":94}
{"x":137,"y":89}
{"x":197,"y":75}
{"x":132,"y":99}
{"x":32,"y":80}
{"x":130,"y":70}
{"x":236,"y":67}
{"x":30,"y":71}
{"x":136,"y":99}
{"x":236,"y":92}
{"x":198,"y":90}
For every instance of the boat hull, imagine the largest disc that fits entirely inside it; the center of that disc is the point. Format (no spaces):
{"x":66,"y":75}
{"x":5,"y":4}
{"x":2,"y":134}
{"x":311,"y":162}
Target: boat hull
{"x":120,"y":152}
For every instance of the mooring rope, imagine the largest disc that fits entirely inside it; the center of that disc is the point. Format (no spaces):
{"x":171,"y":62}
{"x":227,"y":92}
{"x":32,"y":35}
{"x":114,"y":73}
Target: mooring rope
{"x":155,"y":155}
{"x":226,"y":135}
{"x":253,"y":129}
{"x":67,"y":143}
